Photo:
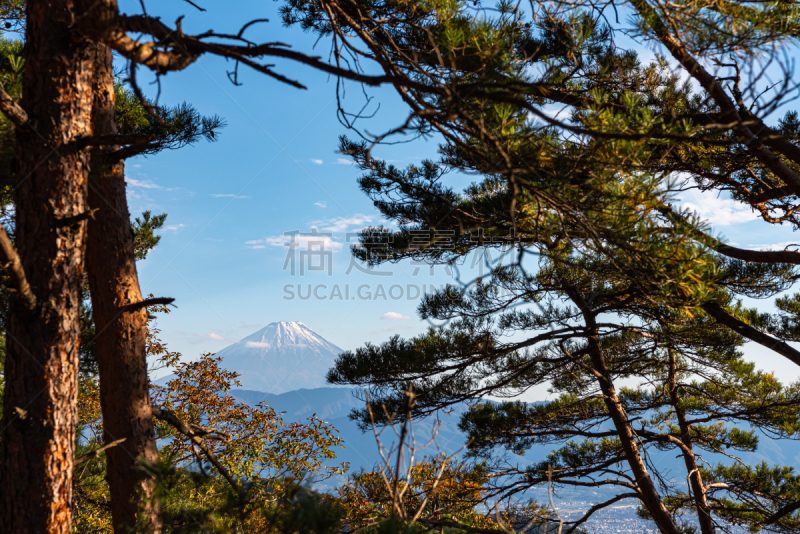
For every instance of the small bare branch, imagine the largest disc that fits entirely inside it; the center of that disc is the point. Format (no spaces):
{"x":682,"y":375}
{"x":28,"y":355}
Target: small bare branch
{"x":550,"y":493}
{"x":194,"y":5}
{"x":459,"y":526}
{"x":12,"y":110}
{"x":96,"y":452}
{"x":196,"y":440}
{"x":14,"y":266}
{"x":75,"y":219}
{"x":147,"y":302}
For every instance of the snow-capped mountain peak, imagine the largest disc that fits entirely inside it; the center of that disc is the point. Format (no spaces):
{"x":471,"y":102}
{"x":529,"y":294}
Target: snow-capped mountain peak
{"x":288,"y":335}
{"x":281,"y":357}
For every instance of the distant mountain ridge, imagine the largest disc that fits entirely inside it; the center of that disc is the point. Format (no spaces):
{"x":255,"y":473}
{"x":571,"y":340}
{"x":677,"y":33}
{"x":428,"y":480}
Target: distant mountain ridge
{"x":283,"y":356}
{"x":334,"y":404}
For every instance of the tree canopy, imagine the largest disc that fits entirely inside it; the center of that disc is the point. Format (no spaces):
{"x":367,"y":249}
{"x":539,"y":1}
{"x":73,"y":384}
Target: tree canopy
{"x":580,"y":149}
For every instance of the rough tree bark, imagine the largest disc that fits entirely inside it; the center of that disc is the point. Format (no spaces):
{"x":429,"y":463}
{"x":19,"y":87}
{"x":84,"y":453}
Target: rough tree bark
{"x":42,"y":340}
{"x":647,"y":489}
{"x":121,"y":336}
{"x":707,"y":525}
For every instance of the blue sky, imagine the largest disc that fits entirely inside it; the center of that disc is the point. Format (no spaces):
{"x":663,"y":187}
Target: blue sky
{"x":274,"y":170}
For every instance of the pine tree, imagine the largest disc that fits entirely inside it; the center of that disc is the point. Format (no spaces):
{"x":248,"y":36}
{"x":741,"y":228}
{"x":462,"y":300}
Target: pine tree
{"x":175,"y":128}
{"x":702,"y":114}
{"x":594,"y":307}
{"x":589,"y":332}
{"x":586,"y":193}
{"x":597,"y":180}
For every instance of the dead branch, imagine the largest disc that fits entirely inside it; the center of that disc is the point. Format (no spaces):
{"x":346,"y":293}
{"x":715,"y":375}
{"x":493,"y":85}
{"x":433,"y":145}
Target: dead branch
{"x":96,"y":452}
{"x":459,"y":526}
{"x":550,"y":493}
{"x":13,"y":265}
{"x":12,"y":110}
{"x":136,"y":306}
{"x":197,"y":440}
{"x":392,"y":477}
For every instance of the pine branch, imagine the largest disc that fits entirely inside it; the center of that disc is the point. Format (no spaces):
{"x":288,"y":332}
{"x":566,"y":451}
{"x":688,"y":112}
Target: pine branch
{"x":14,"y":266}
{"x":751,"y":333}
{"x":75,"y":219}
{"x":118,"y":139}
{"x":96,"y":452}
{"x":714,"y":88}
{"x":756,"y":256}
{"x":130,"y":151}
{"x":775,"y":139}
{"x":12,"y":110}
{"x":783,"y":512}
{"x":147,"y":302}
{"x":172,"y":50}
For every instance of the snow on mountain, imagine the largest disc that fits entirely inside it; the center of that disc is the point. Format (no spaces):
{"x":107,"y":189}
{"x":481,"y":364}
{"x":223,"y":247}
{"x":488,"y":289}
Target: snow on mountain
{"x":281,"y":357}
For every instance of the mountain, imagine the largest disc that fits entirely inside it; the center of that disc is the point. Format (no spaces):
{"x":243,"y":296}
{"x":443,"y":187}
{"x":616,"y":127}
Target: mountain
{"x":284,"y":365}
{"x":281,"y":357}
{"x":334,"y":404}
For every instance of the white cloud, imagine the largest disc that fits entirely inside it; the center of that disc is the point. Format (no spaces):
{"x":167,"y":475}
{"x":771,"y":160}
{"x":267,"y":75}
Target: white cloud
{"x":345,"y":161}
{"x":341,"y":224}
{"x":394,"y":316}
{"x":174,"y":227}
{"x":201,"y":339}
{"x":309,"y":241}
{"x":138,"y":195}
{"x":557,"y":113}
{"x":717,"y":211}
{"x":316,"y":161}
{"x":227,"y":195}
{"x":321,"y":204}
{"x":312,"y":240}
{"x":791,"y":245}
{"x":144,"y":184}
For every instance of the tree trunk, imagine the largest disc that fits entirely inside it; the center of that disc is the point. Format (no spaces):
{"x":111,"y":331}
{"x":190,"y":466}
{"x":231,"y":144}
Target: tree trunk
{"x":42,"y":344}
{"x":695,"y":478}
{"x":121,"y":337}
{"x":649,"y":495}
